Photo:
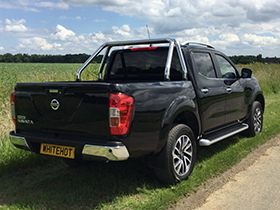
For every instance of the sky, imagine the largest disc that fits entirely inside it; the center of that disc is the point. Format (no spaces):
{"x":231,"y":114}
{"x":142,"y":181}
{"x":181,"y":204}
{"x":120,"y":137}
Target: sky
{"x":236,"y":27}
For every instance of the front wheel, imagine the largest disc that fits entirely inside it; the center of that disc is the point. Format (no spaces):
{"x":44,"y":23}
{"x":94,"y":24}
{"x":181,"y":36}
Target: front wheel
{"x":255,"y":120}
{"x":178,"y":156}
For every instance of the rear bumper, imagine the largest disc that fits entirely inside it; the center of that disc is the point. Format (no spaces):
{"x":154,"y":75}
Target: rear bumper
{"x":113,"y":151}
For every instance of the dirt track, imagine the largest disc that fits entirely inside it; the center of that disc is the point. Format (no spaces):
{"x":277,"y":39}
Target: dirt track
{"x":254,"y":183}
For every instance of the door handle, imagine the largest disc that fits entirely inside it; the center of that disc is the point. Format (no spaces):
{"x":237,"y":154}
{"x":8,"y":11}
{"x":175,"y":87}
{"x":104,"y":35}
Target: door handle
{"x":229,"y":89}
{"x":204,"y":90}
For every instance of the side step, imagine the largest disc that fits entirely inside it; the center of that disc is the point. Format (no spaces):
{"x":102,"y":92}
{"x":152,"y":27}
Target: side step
{"x":222,"y":134}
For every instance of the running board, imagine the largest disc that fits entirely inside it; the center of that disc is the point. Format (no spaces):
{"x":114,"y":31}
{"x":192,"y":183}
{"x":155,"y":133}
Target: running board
{"x":214,"y":138}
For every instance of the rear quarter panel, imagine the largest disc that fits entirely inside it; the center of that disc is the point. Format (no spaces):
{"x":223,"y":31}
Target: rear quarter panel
{"x":156,"y":105}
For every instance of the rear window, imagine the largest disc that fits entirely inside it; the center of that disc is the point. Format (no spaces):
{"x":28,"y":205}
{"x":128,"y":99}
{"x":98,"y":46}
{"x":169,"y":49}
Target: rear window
{"x":142,"y":65}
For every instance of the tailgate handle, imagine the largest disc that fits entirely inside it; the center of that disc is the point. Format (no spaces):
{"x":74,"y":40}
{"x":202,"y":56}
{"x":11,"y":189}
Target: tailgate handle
{"x":54,"y":91}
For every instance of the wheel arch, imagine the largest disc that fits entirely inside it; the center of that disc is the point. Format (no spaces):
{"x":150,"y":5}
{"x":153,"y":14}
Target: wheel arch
{"x":188,"y":118}
{"x":260,"y":98}
{"x":180,"y":112}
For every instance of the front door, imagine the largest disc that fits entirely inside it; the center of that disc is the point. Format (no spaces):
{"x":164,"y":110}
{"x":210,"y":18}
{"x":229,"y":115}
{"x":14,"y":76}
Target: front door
{"x":235,"y":98}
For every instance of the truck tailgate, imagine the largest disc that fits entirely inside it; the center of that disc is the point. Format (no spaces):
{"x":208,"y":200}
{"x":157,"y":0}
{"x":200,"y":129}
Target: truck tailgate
{"x":63,"y":108}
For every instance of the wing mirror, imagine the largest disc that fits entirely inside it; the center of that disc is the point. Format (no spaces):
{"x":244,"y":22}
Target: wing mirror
{"x":246,"y":73}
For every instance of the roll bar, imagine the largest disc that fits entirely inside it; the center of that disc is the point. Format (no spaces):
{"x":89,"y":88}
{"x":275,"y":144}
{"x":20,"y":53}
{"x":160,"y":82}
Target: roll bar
{"x":172,"y":42}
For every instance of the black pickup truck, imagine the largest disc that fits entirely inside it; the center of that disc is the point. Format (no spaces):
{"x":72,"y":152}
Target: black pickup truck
{"x":154,"y":98}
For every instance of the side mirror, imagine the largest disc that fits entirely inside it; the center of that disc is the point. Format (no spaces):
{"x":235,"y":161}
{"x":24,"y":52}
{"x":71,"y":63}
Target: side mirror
{"x":246,"y":73}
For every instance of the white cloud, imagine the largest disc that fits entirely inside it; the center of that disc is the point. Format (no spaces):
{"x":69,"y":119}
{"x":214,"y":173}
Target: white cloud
{"x":71,"y":18}
{"x":124,"y":31}
{"x":6,"y":5}
{"x":32,"y":5}
{"x":1,"y":48}
{"x":229,"y":37}
{"x":15,"y":26}
{"x":47,"y":4}
{"x":99,"y":20}
{"x":63,"y":34}
{"x":88,"y":43}
{"x":37,"y":43}
{"x":176,"y":15}
{"x":253,"y":39}
{"x":262,"y":10}
{"x":226,"y":41}
{"x":228,"y":25}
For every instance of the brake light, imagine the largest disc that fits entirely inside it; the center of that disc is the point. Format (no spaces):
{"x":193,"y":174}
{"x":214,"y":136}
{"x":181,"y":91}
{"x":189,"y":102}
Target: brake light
{"x":143,"y":48}
{"x":121,"y":110}
{"x":13,"y":113}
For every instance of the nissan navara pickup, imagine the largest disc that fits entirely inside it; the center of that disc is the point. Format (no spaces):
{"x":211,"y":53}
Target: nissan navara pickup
{"x":153,"y":98}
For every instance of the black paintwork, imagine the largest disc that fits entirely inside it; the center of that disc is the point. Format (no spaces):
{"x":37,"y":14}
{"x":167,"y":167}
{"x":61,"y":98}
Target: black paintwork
{"x":83,"y":115}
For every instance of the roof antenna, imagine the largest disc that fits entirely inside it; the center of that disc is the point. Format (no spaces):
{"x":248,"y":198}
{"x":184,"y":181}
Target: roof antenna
{"x":147,"y":27}
{"x":148,"y":31}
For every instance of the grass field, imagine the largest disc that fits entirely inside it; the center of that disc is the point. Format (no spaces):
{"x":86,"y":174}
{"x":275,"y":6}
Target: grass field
{"x":30,"y":181}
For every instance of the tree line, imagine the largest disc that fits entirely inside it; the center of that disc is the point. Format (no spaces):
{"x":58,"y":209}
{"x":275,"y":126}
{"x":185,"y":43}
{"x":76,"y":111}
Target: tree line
{"x":81,"y":58}
{"x":247,"y":59}
{"x":34,"y":58}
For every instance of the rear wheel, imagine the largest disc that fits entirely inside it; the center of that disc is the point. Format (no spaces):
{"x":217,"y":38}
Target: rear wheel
{"x":255,"y":121}
{"x":178,"y":156}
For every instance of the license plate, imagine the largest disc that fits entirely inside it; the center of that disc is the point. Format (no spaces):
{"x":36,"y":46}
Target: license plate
{"x":58,"y":150}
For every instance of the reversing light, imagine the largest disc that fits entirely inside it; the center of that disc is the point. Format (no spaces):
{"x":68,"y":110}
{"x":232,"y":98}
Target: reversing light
{"x":121,"y":110}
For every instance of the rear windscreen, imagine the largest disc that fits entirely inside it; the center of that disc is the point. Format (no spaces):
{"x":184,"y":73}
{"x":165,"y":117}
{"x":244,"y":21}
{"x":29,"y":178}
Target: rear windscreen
{"x":141,"y":64}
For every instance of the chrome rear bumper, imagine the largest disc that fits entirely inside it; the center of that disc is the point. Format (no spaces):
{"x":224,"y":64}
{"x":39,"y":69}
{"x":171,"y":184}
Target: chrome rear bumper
{"x":112,"y":153}
{"x":19,"y":142}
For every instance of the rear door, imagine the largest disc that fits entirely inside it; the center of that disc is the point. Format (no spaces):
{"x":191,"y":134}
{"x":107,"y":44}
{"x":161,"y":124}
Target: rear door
{"x":211,"y":91}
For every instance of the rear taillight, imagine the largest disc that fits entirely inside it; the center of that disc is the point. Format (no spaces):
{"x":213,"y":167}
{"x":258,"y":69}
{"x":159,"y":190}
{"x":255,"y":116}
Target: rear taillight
{"x":121,"y":110}
{"x":13,"y":113}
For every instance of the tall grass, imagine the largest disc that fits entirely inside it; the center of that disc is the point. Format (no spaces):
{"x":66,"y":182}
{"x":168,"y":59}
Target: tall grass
{"x":267,"y":74}
{"x":11,"y":73}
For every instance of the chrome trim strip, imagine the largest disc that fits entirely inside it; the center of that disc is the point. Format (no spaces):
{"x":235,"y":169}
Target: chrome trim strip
{"x":207,"y":142}
{"x":103,"y":61}
{"x":113,"y":153}
{"x":198,"y":43}
{"x":181,"y":58}
{"x":168,"y":61}
{"x":19,"y":142}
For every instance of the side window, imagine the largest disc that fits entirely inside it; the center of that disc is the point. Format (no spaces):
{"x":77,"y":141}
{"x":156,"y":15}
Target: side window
{"x":227,"y":70}
{"x":204,"y":64}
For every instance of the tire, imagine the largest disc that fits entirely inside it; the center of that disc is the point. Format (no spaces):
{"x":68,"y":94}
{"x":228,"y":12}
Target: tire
{"x":73,"y":163}
{"x":178,"y":156}
{"x":255,"y":120}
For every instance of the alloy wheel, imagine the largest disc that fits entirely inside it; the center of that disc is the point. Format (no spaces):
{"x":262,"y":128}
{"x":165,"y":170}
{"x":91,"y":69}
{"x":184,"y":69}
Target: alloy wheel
{"x":257,"y":120}
{"x":182,"y":155}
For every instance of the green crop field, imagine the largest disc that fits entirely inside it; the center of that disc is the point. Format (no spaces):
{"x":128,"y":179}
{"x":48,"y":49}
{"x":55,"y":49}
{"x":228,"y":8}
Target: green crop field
{"x":30,"y":181}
